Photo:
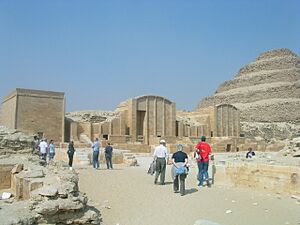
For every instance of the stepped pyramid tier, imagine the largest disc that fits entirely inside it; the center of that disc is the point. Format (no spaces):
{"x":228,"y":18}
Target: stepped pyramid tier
{"x":266,"y":90}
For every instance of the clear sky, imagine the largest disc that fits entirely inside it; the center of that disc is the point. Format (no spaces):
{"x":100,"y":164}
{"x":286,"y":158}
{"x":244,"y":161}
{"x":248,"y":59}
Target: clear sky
{"x":103,"y":52}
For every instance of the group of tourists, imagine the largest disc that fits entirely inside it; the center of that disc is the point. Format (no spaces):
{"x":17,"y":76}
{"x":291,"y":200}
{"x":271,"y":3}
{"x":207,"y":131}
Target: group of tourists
{"x":45,"y":149}
{"x":180,"y":165}
{"x":108,"y":151}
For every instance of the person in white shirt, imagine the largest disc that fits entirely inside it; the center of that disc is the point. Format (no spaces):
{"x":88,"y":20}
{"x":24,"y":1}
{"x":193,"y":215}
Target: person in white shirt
{"x":43,"y":149}
{"x":161,"y":156}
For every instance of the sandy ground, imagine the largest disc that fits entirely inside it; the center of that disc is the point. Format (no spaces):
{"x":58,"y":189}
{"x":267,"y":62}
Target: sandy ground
{"x":127,"y":196}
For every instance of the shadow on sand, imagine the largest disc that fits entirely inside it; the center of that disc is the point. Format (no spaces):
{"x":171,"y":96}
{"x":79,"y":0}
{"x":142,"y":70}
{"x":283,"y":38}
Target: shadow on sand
{"x":190,"y":191}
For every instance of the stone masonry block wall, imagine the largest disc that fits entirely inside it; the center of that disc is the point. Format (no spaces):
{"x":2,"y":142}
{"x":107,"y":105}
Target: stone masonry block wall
{"x":39,"y":114}
{"x":33,"y":111}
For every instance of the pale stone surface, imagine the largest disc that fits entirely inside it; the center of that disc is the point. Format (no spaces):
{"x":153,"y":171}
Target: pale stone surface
{"x":205,"y":222}
{"x":48,"y":191}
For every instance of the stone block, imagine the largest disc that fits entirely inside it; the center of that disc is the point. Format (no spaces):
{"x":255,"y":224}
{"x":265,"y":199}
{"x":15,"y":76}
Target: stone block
{"x":17,"y":168}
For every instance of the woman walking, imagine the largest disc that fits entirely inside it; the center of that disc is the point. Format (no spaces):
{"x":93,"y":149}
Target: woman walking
{"x":179,"y":169}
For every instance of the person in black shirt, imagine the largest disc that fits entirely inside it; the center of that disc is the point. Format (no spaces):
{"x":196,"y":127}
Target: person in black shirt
{"x":108,"y":156}
{"x":250,"y":153}
{"x":179,"y":169}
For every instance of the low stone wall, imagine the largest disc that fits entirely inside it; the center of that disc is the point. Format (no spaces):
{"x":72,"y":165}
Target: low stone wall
{"x":285,"y":179}
{"x":135,"y":148}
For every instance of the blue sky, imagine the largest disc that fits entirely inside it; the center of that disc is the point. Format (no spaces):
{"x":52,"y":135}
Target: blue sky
{"x":103,"y":52}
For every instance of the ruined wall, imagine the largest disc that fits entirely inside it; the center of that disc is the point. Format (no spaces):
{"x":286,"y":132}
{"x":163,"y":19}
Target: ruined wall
{"x":284,"y":179}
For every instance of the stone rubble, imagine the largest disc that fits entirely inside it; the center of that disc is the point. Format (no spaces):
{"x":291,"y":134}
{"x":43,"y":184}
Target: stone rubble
{"x":12,"y":141}
{"x":47,"y":195}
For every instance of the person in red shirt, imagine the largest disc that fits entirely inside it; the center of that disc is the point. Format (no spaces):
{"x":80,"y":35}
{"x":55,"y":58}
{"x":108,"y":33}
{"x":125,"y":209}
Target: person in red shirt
{"x":203,"y":150}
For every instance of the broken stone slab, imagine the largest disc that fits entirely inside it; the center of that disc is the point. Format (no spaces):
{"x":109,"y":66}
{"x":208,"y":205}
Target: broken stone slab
{"x":17,"y":168}
{"x":34,"y":174}
{"x":47,"y":208}
{"x":205,"y":222}
{"x":48,"y":191}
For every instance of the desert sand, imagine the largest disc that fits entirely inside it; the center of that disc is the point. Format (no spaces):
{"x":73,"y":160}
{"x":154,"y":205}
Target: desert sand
{"x":128,"y":196}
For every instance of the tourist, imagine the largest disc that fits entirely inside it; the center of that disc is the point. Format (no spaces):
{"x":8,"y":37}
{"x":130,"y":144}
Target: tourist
{"x":203,"y":151}
{"x":108,"y":155}
{"x":51,"y":150}
{"x":160,"y":156}
{"x":71,"y":151}
{"x":96,"y":151}
{"x":35,"y":144}
{"x":43,"y":149}
{"x":179,"y":169}
{"x":250,"y":153}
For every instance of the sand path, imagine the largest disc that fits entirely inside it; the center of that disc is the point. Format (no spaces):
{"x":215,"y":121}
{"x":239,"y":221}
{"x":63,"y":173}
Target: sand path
{"x":131,"y":198}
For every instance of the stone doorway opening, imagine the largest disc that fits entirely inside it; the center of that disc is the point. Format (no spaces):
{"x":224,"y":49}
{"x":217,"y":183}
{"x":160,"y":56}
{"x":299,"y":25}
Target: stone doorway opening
{"x":228,"y":148}
{"x":140,"y":124}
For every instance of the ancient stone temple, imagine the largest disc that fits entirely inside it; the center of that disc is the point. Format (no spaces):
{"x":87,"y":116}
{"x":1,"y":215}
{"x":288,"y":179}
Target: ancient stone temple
{"x":35,"y":112}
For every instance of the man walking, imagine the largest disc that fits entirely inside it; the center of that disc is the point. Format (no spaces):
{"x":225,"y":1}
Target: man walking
{"x":203,"y":150}
{"x":108,"y":156}
{"x":43,"y":149}
{"x":96,"y":151}
{"x":160,"y":155}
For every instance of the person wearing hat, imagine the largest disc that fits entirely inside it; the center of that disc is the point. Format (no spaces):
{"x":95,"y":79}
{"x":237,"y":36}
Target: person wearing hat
{"x":179,"y":169}
{"x":160,"y":156}
{"x":203,"y":150}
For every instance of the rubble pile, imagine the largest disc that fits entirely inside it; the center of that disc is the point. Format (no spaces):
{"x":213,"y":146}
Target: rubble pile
{"x":44,"y":195}
{"x":12,"y":141}
{"x":93,"y":116}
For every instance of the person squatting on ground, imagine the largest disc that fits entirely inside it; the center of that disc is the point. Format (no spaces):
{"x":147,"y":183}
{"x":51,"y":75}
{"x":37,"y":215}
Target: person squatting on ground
{"x":160,"y":156}
{"x":51,"y":150}
{"x":108,"y":155}
{"x":203,"y":150}
{"x":43,"y":149}
{"x":96,"y":151}
{"x":71,"y":151}
{"x":250,"y":153}
{"x":179,"y":169}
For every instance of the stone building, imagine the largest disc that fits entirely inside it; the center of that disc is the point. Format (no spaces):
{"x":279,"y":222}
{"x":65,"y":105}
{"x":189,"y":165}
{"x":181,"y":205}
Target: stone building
{"x":139,"y":120}
{"x":35,"y":112}
{"x":139,"y":123}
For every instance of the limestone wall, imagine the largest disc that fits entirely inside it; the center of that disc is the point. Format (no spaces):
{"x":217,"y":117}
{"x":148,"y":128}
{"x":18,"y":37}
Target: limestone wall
{"x":284,"y":179}
{"x":33,"y":111}
{"x":8,"y":111}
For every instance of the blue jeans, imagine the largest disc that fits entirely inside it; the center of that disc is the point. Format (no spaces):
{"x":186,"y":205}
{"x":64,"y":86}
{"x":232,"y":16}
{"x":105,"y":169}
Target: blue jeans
{"x":51,"y":155}
{"x":96,"y":159}
{"x":203,"y":172}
